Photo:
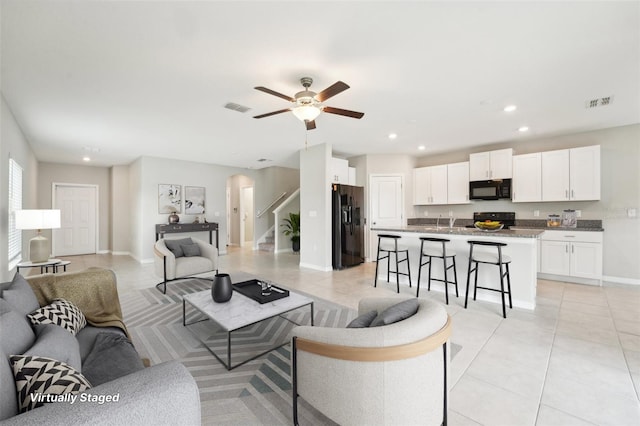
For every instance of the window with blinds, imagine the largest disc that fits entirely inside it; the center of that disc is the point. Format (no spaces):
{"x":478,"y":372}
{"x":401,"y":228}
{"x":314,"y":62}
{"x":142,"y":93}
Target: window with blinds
{"x":15,"y":203}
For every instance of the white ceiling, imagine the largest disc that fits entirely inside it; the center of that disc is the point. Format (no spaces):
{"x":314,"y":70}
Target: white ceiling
{"x":121,"y":79}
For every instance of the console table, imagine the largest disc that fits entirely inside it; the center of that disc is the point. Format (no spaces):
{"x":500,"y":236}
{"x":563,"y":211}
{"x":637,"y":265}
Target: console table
{"x":171,"y":228}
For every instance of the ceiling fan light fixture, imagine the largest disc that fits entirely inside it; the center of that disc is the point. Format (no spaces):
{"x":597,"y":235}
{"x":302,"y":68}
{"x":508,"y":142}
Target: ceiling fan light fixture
{"x":306,"y":112}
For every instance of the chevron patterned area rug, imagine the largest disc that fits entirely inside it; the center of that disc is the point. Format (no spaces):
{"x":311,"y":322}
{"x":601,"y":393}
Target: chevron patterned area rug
{"x":255,"y":393}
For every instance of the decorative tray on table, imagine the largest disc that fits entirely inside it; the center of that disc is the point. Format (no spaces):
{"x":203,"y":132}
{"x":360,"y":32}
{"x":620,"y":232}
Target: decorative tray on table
{"x":253,"y":290}
{"x":489,"y":226}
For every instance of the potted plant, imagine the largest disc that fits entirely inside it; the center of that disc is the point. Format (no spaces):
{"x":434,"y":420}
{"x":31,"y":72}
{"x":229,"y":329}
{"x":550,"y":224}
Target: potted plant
{"x":292,"y":229}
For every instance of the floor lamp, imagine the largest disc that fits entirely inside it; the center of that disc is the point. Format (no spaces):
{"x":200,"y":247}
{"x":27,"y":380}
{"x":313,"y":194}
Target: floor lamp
{"x":39,"y":247}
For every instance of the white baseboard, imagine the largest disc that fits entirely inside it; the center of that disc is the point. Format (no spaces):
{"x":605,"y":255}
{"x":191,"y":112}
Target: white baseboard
{"x":121,"y":253}
{"x":621,"y":280}
{"x":316,"y":267}
{"x":287,"y":250}
{"x":103,"y":251}
{"x":568,"y":279}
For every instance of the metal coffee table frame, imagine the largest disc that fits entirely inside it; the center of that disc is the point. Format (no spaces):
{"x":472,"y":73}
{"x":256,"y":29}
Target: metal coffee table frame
{"x":227,"y":364}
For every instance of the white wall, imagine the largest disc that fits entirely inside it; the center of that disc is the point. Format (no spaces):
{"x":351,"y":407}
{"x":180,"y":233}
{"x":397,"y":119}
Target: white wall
{"x":13,"y":144}
{"x":154,"y":171}
{"x":120,"y":219}
{"x":315,"y":205}
{"x":49,"y":173}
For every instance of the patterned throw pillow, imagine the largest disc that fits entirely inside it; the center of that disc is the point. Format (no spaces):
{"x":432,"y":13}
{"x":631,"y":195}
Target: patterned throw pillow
{"x":39,"y":376}
{"x":61,"y":312}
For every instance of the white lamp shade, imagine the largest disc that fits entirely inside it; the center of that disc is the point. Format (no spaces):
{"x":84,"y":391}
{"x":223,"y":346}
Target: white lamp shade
{"x":37,"y":219}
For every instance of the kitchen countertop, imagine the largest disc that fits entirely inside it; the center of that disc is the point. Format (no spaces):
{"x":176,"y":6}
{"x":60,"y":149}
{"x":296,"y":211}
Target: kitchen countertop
{"x":458,"y":230}
{"x":584,"y":225}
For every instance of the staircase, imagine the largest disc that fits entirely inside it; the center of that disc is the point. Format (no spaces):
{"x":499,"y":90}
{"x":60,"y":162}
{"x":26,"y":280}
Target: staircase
{"x":269,"y":244}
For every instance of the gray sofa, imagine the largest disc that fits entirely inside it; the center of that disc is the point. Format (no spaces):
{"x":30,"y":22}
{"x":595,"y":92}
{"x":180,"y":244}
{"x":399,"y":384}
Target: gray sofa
{"x":162,"y":394}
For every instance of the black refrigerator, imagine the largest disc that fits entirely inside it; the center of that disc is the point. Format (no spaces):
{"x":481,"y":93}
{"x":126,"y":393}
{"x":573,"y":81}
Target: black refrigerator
{"x":347,"y":204}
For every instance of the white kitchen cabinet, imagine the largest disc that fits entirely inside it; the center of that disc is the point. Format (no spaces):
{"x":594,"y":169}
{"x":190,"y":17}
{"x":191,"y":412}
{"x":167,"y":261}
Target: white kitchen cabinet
{"x":430,"y":185}
{"x":571,"y":174}
{"x":526,"y":185}
{"x":339,"y":171}
{"x":584,"y":173}
{"x":555,"y":175}
{"x":571,"y":253}
{"x":458,"y":183}
{"x":352,"y":176}
{"x":491,"y":165}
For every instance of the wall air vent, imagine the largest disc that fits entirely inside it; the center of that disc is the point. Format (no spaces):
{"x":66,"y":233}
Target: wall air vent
{"x":236,"y":107}
{"x":598,"y":102}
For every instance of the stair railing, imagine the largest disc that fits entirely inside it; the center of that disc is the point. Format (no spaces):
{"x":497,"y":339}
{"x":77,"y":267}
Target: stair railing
{"x":273,"y":203}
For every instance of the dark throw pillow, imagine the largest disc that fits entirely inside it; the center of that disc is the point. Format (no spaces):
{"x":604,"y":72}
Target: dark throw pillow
{"x":112,"y":356}
{"x":60,"y":312}
{"x":191,"y":249}
{"x":364,"y":320}
{"x":397,"y":312}
{"x":41,"y":376}
{"x":175,"y":245}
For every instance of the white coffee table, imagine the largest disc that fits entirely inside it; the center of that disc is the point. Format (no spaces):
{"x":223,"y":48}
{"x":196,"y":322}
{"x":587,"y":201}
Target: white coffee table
{"x":240,"y":312}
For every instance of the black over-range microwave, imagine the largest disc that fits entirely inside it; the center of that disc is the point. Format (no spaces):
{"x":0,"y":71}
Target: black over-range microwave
{"x":490,"y":189}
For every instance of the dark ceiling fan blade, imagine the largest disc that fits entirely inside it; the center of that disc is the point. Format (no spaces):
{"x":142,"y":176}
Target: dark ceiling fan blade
{"x":274,"y":93}
{"x":272,"y":113}
{"x":344,"y":112}
{"x":332,"y":90}
{"x":310,"y":124}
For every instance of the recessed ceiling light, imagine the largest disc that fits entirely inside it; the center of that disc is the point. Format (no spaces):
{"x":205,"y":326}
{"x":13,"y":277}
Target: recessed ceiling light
{"x":422,"y":147}
{"x":510,"y":108}
{"x":523,"y":129}
{"x":86,"y":159}
{"x":392,"y":136}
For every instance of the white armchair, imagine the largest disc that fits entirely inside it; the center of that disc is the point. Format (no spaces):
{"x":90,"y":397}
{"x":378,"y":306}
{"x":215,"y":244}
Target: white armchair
{"x":170,"y":267}
{"x":389,"y":375}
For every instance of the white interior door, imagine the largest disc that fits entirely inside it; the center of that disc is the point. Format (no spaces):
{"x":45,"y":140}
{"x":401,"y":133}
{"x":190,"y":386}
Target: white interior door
{"x":385,"y":193}
{"x":78,"y":206}
{"x":386,"y":206}
{"x":246,"y":214}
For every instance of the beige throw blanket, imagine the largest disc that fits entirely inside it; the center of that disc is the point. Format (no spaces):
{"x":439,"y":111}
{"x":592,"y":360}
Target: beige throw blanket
{"x":93,"y":290}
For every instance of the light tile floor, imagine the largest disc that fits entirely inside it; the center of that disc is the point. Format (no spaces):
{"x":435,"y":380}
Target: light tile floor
{"x":575,"y":360}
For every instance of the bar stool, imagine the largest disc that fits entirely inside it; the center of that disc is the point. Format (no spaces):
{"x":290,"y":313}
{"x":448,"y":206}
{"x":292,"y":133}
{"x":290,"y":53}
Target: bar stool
{"x":438,"y":251}
{"x":490,"y":259}
{"x":389,"y":247}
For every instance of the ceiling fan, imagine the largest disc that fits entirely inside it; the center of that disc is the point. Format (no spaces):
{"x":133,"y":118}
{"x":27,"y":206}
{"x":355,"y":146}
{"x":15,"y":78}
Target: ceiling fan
{"x":307,"y":105}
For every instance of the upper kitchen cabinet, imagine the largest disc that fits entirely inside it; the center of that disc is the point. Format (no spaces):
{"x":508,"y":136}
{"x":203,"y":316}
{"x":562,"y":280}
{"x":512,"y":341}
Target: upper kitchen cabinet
{"x":458,"y":183}
{"x":339,"y":171}
{"x":526,"y":185}
{"x":571,"y":174}
{"x":430,"y":185}
{"x":491,"y":165}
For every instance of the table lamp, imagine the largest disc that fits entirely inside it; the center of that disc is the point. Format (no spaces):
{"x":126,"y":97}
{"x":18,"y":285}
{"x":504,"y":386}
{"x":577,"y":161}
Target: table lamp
{"x":39,"y":247}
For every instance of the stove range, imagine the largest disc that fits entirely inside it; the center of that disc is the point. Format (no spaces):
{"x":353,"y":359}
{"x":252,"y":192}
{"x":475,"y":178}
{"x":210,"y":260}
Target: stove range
{"x":508,"y":219}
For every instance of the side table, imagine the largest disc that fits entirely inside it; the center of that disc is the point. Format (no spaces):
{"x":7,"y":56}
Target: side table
{"x":54,"y":264}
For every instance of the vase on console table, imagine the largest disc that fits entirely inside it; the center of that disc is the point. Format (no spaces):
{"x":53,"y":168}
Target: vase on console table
{"x":221,"y":290}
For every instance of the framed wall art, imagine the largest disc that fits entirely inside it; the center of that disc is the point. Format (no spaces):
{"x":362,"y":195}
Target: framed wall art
{"x":194,"y":200}
{"x":169,"y":198}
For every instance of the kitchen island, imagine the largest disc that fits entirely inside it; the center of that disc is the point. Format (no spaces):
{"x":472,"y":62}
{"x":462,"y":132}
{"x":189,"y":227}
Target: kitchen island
{"x":521,"y":247}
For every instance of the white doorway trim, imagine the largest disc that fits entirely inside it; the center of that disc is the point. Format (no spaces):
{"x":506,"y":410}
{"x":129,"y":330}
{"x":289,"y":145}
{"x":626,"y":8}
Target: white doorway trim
{"x":96,"y":188}
{"x":246,"y":213}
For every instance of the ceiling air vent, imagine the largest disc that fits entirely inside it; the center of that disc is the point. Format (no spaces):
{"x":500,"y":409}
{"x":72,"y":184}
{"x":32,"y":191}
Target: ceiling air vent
{"x":236,"y":107}
{"x":262,"y":160}
{"x":598,"y":102}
